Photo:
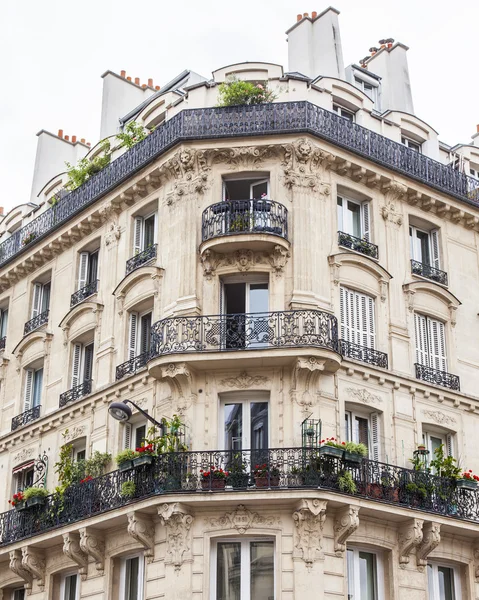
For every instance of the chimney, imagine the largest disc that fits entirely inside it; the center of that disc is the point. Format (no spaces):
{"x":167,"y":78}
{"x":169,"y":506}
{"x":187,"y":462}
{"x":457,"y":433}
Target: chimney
{"x":123,"y":74}
{"x":82,"y":140}
{"x":150,"y":82}
{"x":60,"y":133}
{"x":74,"y":139}
{"x":1,"y":211}
{"x":137,"y":80}
{"x":67,"y":138}
{"x":314,"y":45}
{"x":475,"y":137}
{"x":119,"y":98}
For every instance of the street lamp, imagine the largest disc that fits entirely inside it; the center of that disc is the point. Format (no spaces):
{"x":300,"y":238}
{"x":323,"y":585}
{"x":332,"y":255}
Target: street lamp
{"x":122,"y":412}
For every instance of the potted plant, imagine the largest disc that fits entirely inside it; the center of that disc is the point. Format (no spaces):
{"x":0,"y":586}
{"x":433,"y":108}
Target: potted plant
{"x":354,"y":453}
{"x":145,"y":455}
{"x":295,"y":477}
{"x":35,"y":496}
{"x":467,"y":481}
{"x":332,"y":448}
{"x":214,"y":479}
{"x":18,"y":501}
{"x":346,"y":483}
{"x":128,"y":489}
{"x":266,"y":475}
{"x":235,"y":92}
{"x":29,"y":237}
{"x":238,"y":476}
{"x":125,"y":458}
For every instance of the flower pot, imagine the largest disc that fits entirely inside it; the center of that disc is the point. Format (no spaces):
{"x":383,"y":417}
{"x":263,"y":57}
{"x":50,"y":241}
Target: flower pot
{"x":21,"y":505}
{"x":126,"y":465}
{"x":146,"y":459}
{"x":213,"y":484}
{"x":266,"y":482}
{"x":36,"y":501}
{"x":331,"y":451}
{"x":353,"y":458}
{"x":466,"y":484}
{"x":374,"y":490}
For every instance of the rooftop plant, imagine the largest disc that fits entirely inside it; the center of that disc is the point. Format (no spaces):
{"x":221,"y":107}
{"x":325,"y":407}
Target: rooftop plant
{"x":233,"y":92}
{"x":86,"y":168}
{"x":132,"y":134}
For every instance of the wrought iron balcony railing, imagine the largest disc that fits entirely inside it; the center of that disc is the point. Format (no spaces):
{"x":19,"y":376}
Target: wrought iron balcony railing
{"x":437,"y":377}
{"x":241,"y":121}
{"x":286,"y":470}
{"x":36,"y":322}
{"x":364,"y":354}
{"x":253,"y":331}
{"x":234,"y":217}
{"x":142,"y":258}
{"x":3,"y":342}
{"x":26,"y":417}
{"x":84,"y":293}
{"x":358,"y":244}
{"x":130,"y":367}
{"x":429,"y":272}
{"x":75,"y":393}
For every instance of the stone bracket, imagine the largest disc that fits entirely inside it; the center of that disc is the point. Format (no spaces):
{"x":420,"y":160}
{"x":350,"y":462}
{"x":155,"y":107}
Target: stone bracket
{"x":182,"y":381}
{"x":309,"y":518}
{"x":431,"y":536}
{"x":346,"y":523}
{"x":18,"y":568}
{"x":92,"y":544}
{"x":142,"y":529}
{"x":72,"y":549}
{"x":177,"y":521}
{"x":409,"y":537}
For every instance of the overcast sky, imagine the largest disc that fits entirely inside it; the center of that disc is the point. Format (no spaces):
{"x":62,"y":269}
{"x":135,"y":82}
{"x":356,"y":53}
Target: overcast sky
{"x":53,"y":53}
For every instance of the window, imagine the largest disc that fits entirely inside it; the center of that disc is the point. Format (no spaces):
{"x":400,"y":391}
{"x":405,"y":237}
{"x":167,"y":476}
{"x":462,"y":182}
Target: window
{"x":82,"y":363}
{"x":411,"y":144}
{"x":33,"y":388}
{"x":368,"y":88}
{"x":132,"y":578}
{"x":3,"y":322}
{"x":134,"y":435}
{"x":243,"y":570}
{"x":365,"y":577}
{"x":41,"y":298}
{"x":88,"y":268}
{"x":139,"y":339}
{"x":70,"y":587}
{"x":430,"y":342}
{"x":245,"y":189}
{"x":353,"y":217}
{"x":144,"y":234}
{"x":18,"y":594}
{"x":23,"y":476}
{"x":343,"y":112}
{"x":443,"y":582}
{"x":474,"y":173}
{"x":363,"y":429}
{"x":245,"y":422}
{"x":357,"y":318}
{"x":425,"y":246}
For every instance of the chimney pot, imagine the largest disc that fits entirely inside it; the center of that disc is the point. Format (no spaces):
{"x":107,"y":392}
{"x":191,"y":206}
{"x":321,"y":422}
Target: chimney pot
{"x":150,"y":82}
{"x":88,"y":144}
{"x":144,"y":86}
{"x":314,"y":14}
{"x":128,"y":78}
{"x":305,"y":15}
{"x":74,"y":139}
{"x":157,"y":87}
{"x":60,"y":133}
{"x":82,"y":140}
{"x":137,"y":80}
{"x":477,"y":128}
{"x":67,"y":138}
{"x":123,"y":73}
{"x":299,"y":17}
{"x":1,"y":210}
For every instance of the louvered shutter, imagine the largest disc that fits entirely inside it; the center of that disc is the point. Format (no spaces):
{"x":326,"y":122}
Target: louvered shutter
{"x":366,"y":222}
{"x":76,"y":364}
{"x":127,"y":436}
{"x":436,"y":263}
{"x":374,"y":448}
{"x":27,"y":404}
{"x":347,"y":422}
{"x":138,"y":236}
{"x":369,"y":323}
{"x":133,"y":335}
{"x":88,"y":363}
{"x":420,"y":325}
{"x":145,"y":333}
{"x":344,"y":313}
{"x":449,"y":445}
{"x":437,"y":345}
{"x":37,"y":299}
{"x":83,"y":270}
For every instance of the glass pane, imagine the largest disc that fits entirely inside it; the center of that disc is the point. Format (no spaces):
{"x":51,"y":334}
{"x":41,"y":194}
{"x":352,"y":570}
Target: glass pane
{"x":340,"y":214}
{"x":70,"y":587}
{"x":37,"y":387}
{"x":149,"y":233}
{"x":354,"y":219}
{"x":145,"y":333}
{"x":258,"y":189}
{"x":233,"y":426}
{"x":140,"y":434}
{"x":228,"y":571}
{"x":362,"y":431}
{"x":19,"y":594}
{"x":262,"y":571}
{"x":46,"y":297}
{"x":259,"y":425}
{"x":367,"y":575}
{"x":131,"y":578}
{"x":350,"y":575}
{"x":28,"y":480}
{"x":446,"y":583}
{"x":258,"y":298}
{"x":3,"y":327}
{"x":92,"y":267}
{"x":430,"y":581}
{"x":423,"y":247}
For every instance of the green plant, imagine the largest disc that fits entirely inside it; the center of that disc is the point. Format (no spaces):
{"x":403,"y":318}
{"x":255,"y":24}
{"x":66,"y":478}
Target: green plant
{"x":171,"y":439}
{"x":417,"y":489}
{"x":346,"y":483}
{"x":125,"y":456}
{"x":128,"y":489}
{"x":361,"y":449}
{"x":96,"y":464}
{"x":237,"y":465}
{"x":334,"y":443}
{"x":86,"y":168}
{"x":132,"y":134}
{"x":29,"y":237}
{"x":64,"y":467}
{"x":214,"y":473}
{"x":445,"y":466}
{"x":35,"y":492}
{"x":418,"y":463}
{"x":233,"y":92}
{"x":266,"y":470}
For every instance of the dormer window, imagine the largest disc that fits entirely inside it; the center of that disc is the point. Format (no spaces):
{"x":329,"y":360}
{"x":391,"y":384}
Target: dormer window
{"x":411,"y":144}
{"x":368,"y":88}
{"x":474,"y":173}
{"x":343,"y":112}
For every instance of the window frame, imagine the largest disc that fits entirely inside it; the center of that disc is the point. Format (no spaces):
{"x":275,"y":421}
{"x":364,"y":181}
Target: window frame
{"x":258,"y":180}
{"x":135,"y":330}
{"x":85,"y":268}
{"x":379,"y":566}
{"x":16,"y":596}
{"x":78,"y":375}
{"x":411,"y":144}
{"x":130,"y":433}
{"x":18,"y":477}
{"x":364,"y":216}
{"x":3,"y":322}
{"x":30,"y":397}
{"x":41,"y":302}
{"x":373,"y":421}
{"x":244,"y":398}
{"x":141,"y":575}
{"x":426,"y":356}
{"x":362,"y":86}
{"x":63,"y":585}
{"x":434,"y":565}
{"x":139,"y":236}
{"x":349,"y":114}
{"x":352,"y":312}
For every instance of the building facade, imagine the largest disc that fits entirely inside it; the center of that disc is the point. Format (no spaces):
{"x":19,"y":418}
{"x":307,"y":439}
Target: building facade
{"x":274,"y":275}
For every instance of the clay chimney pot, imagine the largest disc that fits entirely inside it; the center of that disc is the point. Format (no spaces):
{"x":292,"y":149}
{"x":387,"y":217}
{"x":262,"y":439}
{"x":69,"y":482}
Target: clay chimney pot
{"x":60,"y":133}
{"x":88,"y":144}
{"x":150,"y":82}
{"x":314,"y":14}
{"x":128,"y":78}
{"x":82,"y":140}
{"x":74,"y":139}
{"x":299,"y":17}
{"x":305,"y":15}
{"x":157,"y":87}
{"x":67,"y":138}
{"x":123,"y":73}
{"x":477,"y":128}
{"x":137,"y":80}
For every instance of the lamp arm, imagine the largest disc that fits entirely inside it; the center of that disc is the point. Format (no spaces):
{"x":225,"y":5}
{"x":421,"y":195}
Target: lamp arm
{"x":145,"y":414}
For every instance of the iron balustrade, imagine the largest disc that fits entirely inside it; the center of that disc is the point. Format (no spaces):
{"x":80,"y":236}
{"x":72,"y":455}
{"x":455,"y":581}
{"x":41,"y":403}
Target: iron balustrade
{"x":130,"y":367}
{"x":437,"y":377}
{"x":75,"y":393}
{"x":364,"y":354}
{"x":418,"y":268}
{"x":284,"y":469}
{"x":84,"y":293}
{"x":358,"y":244}
{"x":36,"y":322}
{"x":233,"y":217}
{"x":241,"y":121}
{"x":140,"y":259}
{"x":3,"y":341}
{"x":245,"y":331}
{"x":26,"y":417}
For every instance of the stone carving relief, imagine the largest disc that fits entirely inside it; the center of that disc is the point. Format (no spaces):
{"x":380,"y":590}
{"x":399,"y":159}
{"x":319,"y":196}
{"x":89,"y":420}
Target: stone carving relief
{"x":182,"y":382}
{"x":309,"y":521}
{"x":243,"y":260}
{"x":306,"y":373}
{"x":244,"y":381}
{"x":189,"y":170}
{"x":240,"y":158}
{"x":178,"y":522}
{"x":113,"y":234}
{"x":92,"y":544}
{"x":476,"y":564}
{"x":346,"y":523}
{"x":142,"y":530}
{"x":409,"y":537}
{"x":72,"y":549}
{"x":33,"y":561}
{"x":364,"y":395}
{"x":302,"y":166}
{"x":18,"y":568}
{"x":394,"y":191}
{"x":439,"y":417}
{"x":73,"y":433}
{"x":431,"y":537}
{"x":242,"y":519}
{"x":23,"y":455}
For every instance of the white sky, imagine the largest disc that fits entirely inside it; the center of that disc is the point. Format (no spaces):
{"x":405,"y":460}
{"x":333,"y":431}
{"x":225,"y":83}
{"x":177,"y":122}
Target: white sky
{"x":53,"y":53}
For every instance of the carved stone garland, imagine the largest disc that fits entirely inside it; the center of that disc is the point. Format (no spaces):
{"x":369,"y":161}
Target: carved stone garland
{"x":242,"y":519}
{"x":178,"y":522}
{"x":309,"y":520}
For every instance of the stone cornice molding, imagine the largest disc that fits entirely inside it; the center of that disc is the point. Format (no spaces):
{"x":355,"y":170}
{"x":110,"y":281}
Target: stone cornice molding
{"x":134,"y":278}
{"x":32,"y":337}
{"x":177,"y":521}
{"x":336,"y":261}
{"x":142,"y":529}
{"x":345,"y":524}
{"x":309,"y":518}
{"x":72,"y":549}
{"x":245,"y":260}
{"x":410,"y":535}
{"x":438,"y":291}
{"x":72,"y":315}
{"x":92,"y":544}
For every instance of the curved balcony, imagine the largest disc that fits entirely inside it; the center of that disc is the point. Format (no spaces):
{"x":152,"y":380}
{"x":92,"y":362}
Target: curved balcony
{"x":233,"y":223}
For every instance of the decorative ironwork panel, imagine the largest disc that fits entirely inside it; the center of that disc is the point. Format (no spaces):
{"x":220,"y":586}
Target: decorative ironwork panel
{"x":234,"y":217}
{"x":36,"y":322}
{"x":130,"y":367}
{"x":84,"y":293}
{"x":26,"y":417}
{"x":429,"y":272}
{"x":437,"y":377}
{"x":75,"y":393}
{"x":3,"y":341}
{"x":358,"y":244}
{"x":141,"y":258}
{"x":253,"y":331}
{"x":364,"y":354}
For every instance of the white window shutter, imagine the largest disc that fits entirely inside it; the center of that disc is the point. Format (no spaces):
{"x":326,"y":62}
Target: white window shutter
{"x":436,"y":263}
{"x":76,"y":364}
{"x":83,"y":269}
{"x":366,"y":221}
{"x":138,"y":235}
{"x":145,"y":333}
{"x":37,"y":299}
{"x":4,"y":323}
{"x":437,"y":345}
{"x":28,"y":389}
{"x":127,"y":436}
{"x":348,"y":424}
{"x":449,"y":445}
{"x":343,"y":310}
{"x":133,"y":335}
{"x":374,"y":421}
{"x":370,"y":324}
{"x":420,"y":325}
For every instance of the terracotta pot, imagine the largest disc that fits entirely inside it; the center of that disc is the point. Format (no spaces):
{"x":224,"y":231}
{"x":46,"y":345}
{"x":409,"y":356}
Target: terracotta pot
{"x":213,"y":484}
{"x":266,"y":482}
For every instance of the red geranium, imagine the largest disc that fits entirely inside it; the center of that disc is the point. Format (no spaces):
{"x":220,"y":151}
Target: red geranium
{"x":17,"y":498}
{"x":470,"y":476}
{"x":86,"y":479}
{"x":146,"y":449}
{"x":214,"y":473}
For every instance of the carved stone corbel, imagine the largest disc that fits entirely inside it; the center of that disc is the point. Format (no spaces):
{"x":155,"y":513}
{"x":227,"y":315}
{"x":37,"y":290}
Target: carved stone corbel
{"x":431,"y":537}
{"x":33,"y":561}
{"x":309,"y":518}
{"x":409,"y":537}
{"x":346,"y":523}
{"x":71,"y":548}
{"x":182,"y":380}
{"x":209,"y":261}
{"x":17,"y":567}
{"x":92,"y":544}
{"x":278,"y":259}
{"x":178,"y":522}
{"x":306,"y":372}
{"x":476,"y":563}
{"x":142,"y":529}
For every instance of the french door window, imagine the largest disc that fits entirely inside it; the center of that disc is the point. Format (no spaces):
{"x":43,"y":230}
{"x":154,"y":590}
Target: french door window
{"x":357,"y":318}
{"x":134,"y":435}
{"x":18,"y":594}
{"x":41,"y":298}
{"x":245,"y":189}
{"x":139,"y":339}
{"x":443,"y":582}
{"x":70,"y":587}
{"x":243,"y":570}
{"x":365,"y":580}
{"x":88,"y":268}
{"x":245,"y":306}
{"x":3,"y":322}
{"x":353,"y":218}
{"x":430,"y":342}
{"x":363,"y":429}
{"x":82,"y":364}
{"x":144,"y":234}
{"x":33,"y":388}
{"x":424,"y":247}
{"x":132,"y":578}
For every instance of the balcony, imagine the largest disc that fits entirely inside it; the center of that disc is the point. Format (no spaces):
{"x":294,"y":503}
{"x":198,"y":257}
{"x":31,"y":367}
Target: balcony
{"x":75,"y":393}
{"x":130,"y":367}
{"x":36,"y":322}
{"x":295,"y":469}
{"x":358,"y":245}
{"x":437,"y":377}
{"x":243,"y":121}
{"x":428,"y":272}
{"x":363,"y":354}
{"x":84,"y":293}
{"x":141,"y":259}
{"x":32,"y":414}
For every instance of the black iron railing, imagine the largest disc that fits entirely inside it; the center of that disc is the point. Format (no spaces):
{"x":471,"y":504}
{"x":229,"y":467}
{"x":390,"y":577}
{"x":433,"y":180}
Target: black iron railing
{"x":26,"y":417}
{"x":140,"y":259}
{"x":36,"y":322}
{"x":364,"y":354}
{"x":358,"y":244}
{"x":130,"y":367}
{"x":3,"y":341}
{"x":253,"y":331}
{"x":84,"y":293}
{"x":283,"y":469}
{"x":241,"y":121}
{"x":75,"y":393}
{"x":437,"y":377}
{"x":233,"y":217}
{"x":429,"y":272}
